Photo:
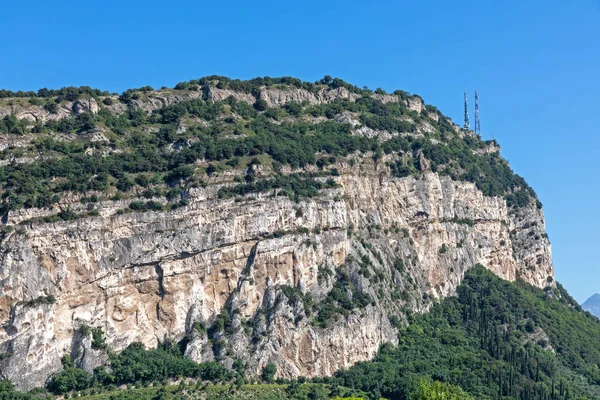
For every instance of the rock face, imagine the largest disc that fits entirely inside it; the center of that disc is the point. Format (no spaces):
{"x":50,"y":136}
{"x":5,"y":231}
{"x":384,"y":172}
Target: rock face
{"x":259,"y":263}
{"x":159,"y":100}
{"x":162,"y":98}
{"x":215,"y":94}
{"x":85,"y":105}
{"x":278,"y":97}
{"x":34,"y":113}
{"x":592,"y":305}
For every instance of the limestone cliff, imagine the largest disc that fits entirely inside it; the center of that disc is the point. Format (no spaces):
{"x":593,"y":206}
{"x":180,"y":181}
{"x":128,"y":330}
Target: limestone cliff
{"x":245,"y":277}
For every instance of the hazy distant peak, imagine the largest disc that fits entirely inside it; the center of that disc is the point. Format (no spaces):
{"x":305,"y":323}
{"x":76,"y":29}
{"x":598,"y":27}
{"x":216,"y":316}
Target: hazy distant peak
{"x":593,"y":305}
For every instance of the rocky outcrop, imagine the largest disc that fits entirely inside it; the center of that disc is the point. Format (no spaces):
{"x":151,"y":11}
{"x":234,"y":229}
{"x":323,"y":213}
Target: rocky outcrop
{"x":85,"y":105}
{"x":260,"y":262}
{"x":275,"y":96}
{"x":157,"y":100}
{"x":386,"y":98}
{"x":33,"y":113}
{"x":415,"y":103}
{"x":279,"y":97}
{"x":216,"y":94}
{"x":154,"y":100}
{"x":488,"y":149}
{"x":148,"y":103}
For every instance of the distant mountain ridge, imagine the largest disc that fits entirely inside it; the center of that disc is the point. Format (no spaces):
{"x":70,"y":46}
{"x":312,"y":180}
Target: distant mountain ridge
{"x":593,"y":305}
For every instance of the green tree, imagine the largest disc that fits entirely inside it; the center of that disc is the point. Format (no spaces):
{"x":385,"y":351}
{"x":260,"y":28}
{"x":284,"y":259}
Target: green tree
{"x":51,"y":107}
{"x":436,"y":390}
{"x":261,"y":105}
{"x":318,"y":392}
{"x":268,"y":372}
{"x":161,"y":394}
{"x":69,"y":379}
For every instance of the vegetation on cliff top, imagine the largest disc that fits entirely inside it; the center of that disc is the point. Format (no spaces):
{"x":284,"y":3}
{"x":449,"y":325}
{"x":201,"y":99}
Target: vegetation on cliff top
{"x":164,"y":153}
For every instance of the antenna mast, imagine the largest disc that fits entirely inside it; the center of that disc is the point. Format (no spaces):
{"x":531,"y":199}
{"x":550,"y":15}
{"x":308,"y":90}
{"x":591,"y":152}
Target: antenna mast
{"x":477,"y":119}
{"x":467,"y":124}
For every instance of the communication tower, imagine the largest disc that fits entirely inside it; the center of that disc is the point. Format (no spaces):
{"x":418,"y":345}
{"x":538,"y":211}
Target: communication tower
{"x":477,"y":117}
{"x":467,"y":124}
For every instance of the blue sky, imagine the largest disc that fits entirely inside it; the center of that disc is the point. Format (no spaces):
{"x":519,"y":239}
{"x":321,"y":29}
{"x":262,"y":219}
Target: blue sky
{"x":535,"y":63}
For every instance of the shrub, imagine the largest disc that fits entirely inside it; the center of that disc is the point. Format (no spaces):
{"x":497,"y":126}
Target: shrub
{"x":98,"y":340}
{"x":261,"y":105}
{"x":69,"y":379}
{"x":268,"y":373}
{"x":51,"y":107}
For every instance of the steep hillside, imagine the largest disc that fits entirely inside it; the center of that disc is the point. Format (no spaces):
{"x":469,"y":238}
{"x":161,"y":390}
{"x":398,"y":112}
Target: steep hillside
{"x":592,"y":305}
{"x":495,"y":339}
{"x":270,"y":221}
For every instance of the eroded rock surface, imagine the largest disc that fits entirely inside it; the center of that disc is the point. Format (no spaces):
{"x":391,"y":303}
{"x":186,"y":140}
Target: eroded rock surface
{"x":145,"y":277}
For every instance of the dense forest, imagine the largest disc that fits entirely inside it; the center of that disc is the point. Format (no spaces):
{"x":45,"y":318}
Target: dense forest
{"x":493,"y":340}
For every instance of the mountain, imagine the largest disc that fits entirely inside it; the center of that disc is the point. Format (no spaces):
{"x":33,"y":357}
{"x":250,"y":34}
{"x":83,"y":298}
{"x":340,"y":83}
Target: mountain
{"x":280,"y":227}
{"x":592,"y":305}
